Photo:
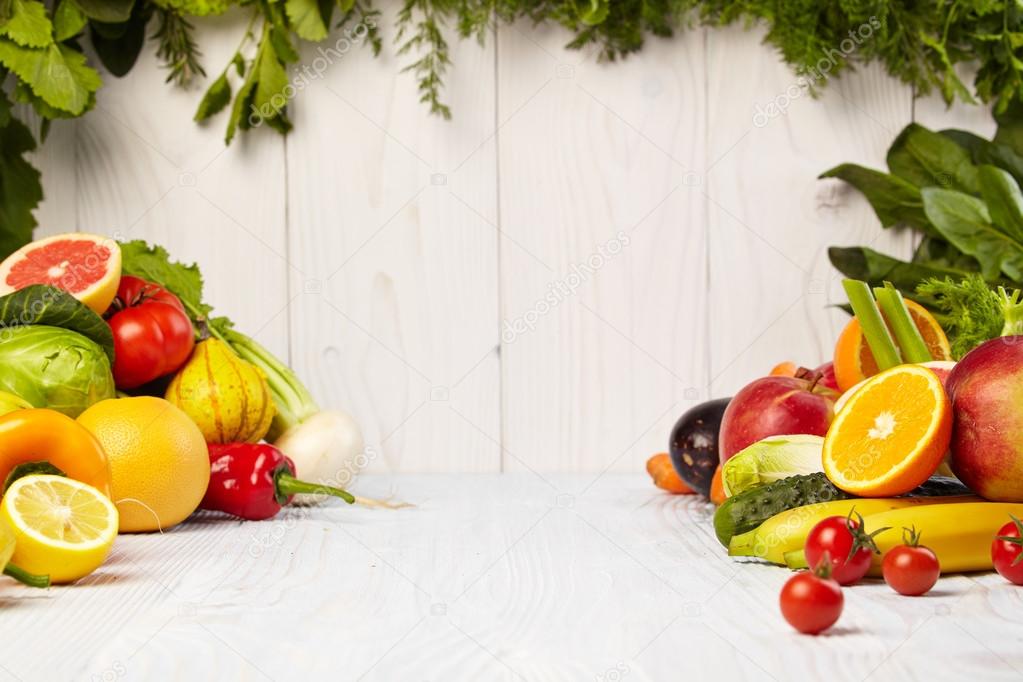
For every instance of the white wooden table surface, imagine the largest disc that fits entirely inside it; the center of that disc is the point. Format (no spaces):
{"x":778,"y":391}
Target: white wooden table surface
{"x":490,"y":577}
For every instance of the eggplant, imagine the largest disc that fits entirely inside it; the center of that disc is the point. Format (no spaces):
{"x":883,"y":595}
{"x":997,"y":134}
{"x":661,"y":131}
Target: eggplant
{"x":694,"y":444}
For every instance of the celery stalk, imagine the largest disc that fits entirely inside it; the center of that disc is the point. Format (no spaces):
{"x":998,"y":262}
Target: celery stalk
{"x":911,"y":341}
{"x":874,"y":329}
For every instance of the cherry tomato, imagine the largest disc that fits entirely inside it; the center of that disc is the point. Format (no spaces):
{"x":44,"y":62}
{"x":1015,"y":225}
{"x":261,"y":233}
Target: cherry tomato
{"x":845,"y":544}
{"x":811,"y":601}
{"x":910,"y":569}
{"x":153,"y":334}
{"x":1007,"y":551}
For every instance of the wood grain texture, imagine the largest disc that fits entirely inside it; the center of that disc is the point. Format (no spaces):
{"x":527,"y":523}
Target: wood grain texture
{"x":601,"y":350}
{"x":509,"y":577}
{"x":770,"y":219}
{"x":452,"y":283}
{"x":394,"y":315}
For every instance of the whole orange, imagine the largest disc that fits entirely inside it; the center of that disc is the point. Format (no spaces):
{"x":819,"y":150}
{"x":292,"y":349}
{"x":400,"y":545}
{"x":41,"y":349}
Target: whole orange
{"x":159,"y":463}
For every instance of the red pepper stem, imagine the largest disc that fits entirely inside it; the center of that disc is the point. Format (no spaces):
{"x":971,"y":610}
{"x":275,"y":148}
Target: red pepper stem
{"x":288,"y":485}
{"x":23,"y":576}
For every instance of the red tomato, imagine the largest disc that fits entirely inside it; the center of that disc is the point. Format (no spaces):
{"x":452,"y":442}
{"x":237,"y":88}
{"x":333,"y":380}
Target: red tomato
{"x":811,"y":602}
{"x":1007,"y":551}
{"x":842,"y":542}
{"x":153,"y":335}
{"x":910,"y":569}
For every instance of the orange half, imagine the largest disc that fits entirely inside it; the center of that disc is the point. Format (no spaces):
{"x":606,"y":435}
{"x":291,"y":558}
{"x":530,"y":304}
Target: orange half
{"x":892,"y":434}
{"x":854,"y":362}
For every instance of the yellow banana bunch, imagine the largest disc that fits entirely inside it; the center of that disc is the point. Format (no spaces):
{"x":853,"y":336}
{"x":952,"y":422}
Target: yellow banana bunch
{"x":786,"y":532}
{"x":959,"y":534}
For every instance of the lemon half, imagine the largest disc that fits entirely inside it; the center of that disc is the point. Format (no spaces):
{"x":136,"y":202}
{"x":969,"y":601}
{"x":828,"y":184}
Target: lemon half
{"x":63,"y":528}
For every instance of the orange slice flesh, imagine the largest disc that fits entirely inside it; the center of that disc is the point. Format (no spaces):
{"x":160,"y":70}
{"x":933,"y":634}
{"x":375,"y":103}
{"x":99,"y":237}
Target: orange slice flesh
{"x":854,"y":362}
{"x":892,"y":434}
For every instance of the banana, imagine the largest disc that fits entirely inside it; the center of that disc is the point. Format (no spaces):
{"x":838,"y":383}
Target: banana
{"x":786,"y":532}
{"x":959,"y":534}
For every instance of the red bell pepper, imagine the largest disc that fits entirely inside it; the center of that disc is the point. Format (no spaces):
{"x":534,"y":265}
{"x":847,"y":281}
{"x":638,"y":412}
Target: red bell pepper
{"x":254,"y":481}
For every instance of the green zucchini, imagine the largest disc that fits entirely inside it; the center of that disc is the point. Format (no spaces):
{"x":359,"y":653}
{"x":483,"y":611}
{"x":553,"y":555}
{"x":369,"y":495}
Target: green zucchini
{"x":746,"y":511}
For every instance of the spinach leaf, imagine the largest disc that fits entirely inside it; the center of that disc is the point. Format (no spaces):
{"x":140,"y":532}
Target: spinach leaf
{"x":986,"y":152}
{"x":1004,"y":201}
{"x":46,"y":305}
{"x":965,"y":222}
{"x":1010,"y":126}
{"x":894,"y":200}
{"x":926,"y":158}
{"x":860,"y":262}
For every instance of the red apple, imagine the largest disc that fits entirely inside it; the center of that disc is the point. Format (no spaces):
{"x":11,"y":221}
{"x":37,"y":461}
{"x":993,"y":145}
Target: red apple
{"x":775,"y":406}
{"x":827,"y":371}
{"x":986,"y":388}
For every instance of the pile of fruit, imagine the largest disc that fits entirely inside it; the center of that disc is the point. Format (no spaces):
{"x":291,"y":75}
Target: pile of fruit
{"x":125,"y":407}
{"x":890,"y":461}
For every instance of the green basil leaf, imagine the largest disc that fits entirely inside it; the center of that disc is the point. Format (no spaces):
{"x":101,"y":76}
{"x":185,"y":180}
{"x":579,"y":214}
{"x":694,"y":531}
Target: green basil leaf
{"x":926,"y":159}
{"x":46,"y":305}
{"x":1004,"y":200}
{"x":965,"y":222}
{"x":895,"y":201}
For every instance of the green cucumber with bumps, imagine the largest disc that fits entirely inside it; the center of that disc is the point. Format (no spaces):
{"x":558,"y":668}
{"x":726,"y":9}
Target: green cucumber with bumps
{"x":747,"y":510}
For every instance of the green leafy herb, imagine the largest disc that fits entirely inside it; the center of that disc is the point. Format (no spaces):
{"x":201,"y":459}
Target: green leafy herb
{"x":177,"y":47}
{"x":965,"y":222}
{"x":971,"y":312}
{"x":45,"y":305}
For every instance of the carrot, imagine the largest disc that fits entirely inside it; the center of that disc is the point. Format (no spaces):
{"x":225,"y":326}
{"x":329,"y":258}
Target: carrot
{"x":665,"y":477}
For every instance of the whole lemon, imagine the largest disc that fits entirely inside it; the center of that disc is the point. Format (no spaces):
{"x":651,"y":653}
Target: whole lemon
{"x":159,"y":463}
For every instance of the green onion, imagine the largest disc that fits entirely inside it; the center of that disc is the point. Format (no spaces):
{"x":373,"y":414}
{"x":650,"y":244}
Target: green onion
{"x":911,"y":341}
{"x":880,"y":340}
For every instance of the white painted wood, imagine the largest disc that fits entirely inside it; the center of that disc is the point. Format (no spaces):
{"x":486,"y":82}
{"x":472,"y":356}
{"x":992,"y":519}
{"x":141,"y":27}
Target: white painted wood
{"x":393,"y":237}
{"x":770,"y":219}
{"x":507,"y":577}
{"x":383,"y":252}
{"x":597,"y":158}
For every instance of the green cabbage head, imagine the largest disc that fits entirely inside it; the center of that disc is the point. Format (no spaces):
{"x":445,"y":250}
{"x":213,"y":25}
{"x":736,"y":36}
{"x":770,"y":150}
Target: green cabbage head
{"x":54,"y":367}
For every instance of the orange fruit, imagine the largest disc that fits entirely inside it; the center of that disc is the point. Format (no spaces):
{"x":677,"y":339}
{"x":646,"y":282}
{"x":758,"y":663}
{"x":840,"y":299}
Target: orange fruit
{"x":85,"y":265}
{"x":159,"y":464}
{"x":854,"y":362}
{"x":784,"y":369}
{"x":892,"y":434}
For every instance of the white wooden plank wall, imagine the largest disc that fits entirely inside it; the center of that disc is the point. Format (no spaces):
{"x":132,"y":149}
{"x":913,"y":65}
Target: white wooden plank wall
{"x":544,"y":283}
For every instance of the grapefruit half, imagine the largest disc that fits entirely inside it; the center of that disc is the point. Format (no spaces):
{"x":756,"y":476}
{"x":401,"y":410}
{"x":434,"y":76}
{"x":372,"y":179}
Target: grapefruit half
{"x":87,"y":266}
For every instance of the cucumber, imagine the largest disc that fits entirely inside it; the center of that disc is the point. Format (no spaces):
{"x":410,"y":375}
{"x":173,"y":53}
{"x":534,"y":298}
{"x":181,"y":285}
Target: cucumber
{"x":746,"y":511}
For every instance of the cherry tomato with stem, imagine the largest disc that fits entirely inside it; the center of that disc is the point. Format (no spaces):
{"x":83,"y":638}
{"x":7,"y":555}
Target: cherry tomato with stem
{"x":811,"y":601}
{"x":153,"y":334}
{"x":911,"y":569}
{"x":847,"y":544}
{"x":1007,"y":551}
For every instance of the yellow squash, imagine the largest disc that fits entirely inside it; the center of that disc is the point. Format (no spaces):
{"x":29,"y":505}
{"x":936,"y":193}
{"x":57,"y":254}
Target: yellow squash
{"x":226,"y":396}
{"x":786,"y":532}
{"x":959,"y":534}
